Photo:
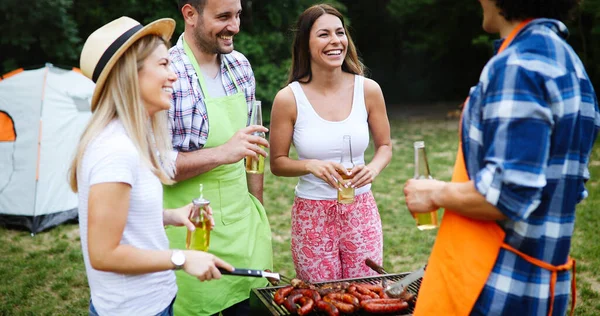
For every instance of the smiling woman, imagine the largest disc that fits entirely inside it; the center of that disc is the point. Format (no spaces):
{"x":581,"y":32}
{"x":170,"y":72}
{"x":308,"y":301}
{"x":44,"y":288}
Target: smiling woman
{"x":326,"y":100}
{"x":120,"y":163}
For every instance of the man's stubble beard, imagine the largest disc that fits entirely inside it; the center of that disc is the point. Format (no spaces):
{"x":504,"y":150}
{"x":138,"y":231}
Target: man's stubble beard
{"x":206,"y":44}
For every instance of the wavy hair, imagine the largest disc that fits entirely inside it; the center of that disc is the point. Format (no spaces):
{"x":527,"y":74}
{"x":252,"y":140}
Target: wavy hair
{"x":120,"y":98}
{"x":300,"y":48}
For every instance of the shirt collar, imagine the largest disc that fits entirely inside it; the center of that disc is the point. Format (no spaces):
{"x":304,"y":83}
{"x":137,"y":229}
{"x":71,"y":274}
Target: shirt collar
{"x":554,"y":25}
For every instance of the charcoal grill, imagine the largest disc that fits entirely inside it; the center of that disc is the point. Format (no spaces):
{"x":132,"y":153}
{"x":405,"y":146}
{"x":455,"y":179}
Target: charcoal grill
{"x":261,"y":299}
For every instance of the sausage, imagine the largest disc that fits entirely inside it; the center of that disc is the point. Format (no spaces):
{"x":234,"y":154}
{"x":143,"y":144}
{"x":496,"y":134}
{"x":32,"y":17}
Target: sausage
{"x":338,"y":300}
{"x":309,"y":293}
{"x":290,"y":303}
{"x":384,"y":306}
{"x":306,"y":304}
{"x":281,"y":294}
{"x":361,"y":297}
{"x":377,"y":289}
{"x":365,"y":291}
{"x":345,"y":298}
{"x":328,"y":308}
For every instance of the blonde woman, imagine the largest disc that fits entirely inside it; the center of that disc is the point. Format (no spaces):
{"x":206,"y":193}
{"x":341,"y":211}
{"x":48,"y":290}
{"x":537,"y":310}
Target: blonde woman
{"x":118,"y":169}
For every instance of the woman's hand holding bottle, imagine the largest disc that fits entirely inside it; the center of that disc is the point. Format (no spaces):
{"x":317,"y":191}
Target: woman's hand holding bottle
{"x":327,"y":171}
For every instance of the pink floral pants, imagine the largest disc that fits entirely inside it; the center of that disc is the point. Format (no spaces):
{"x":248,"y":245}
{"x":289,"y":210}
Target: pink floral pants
{"x":330,"y":241}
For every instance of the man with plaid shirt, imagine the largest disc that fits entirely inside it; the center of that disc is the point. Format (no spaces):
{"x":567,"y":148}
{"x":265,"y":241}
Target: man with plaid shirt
{"x":527,"y":131}
{"x":212,"y":99}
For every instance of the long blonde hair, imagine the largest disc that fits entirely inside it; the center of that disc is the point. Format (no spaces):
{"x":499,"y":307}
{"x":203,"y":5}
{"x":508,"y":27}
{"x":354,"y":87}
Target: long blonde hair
{"x":120,"y":98}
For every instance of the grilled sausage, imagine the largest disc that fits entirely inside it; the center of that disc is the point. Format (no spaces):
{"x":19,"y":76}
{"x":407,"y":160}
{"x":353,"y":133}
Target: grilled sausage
{"x":343,"y":302}
{"x":281,"y":294}
{"x":384,"y":306}
{"x":290,"y":303}
{"x":377,"y":289}
{"x":352,"y":290}
{"x":365,"y":291}
{"x":306,"y":305}
{"x":314,"y":295}
{"x":328,"y":308}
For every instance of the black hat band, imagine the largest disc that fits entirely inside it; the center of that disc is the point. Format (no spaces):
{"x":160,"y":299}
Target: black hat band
{"x":112,"y":49}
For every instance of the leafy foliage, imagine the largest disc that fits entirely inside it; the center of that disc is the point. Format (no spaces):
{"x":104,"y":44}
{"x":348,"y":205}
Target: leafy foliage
{"x":417,"y":50}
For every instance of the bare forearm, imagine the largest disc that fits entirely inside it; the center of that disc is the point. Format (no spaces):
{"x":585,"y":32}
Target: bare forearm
{"x":464,"y":199}
{"x":255,"y":185}
{"x":287,"y":167}
{"x":381,"y":159}
{"x":130,"y":260}
{"x":194,"y":163}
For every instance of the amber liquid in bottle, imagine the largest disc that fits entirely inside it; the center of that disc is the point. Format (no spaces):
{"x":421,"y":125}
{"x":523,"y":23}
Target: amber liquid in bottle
{"x":256,"y":165}
{"x":429,"y":220}
{"x":346,"y":195}
{"x":199,"y":239}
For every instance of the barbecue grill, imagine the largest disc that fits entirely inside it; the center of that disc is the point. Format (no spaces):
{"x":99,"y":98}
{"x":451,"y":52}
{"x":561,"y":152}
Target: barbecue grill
{"x":261,"y":299}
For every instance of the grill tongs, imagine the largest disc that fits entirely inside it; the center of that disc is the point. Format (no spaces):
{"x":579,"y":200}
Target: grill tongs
{"x":397,"y":289}
{"x":252,"y":273}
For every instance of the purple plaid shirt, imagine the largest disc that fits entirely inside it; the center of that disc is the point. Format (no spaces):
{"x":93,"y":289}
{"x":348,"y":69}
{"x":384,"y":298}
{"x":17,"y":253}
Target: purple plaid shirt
{"x":188,"y":118}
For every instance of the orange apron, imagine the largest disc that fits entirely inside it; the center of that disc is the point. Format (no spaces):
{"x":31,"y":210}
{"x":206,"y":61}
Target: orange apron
{"x":465,"y":252}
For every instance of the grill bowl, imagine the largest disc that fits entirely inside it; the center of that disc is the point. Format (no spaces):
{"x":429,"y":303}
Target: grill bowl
{"x":261,"y":299}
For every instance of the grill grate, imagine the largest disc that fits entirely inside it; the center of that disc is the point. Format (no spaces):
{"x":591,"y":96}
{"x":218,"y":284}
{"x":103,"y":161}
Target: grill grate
{"x":261,"y":299}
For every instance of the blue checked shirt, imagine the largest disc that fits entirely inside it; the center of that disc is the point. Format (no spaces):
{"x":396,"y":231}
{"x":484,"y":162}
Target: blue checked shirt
{"x":187,"y":117}
{"x":528,"y":131}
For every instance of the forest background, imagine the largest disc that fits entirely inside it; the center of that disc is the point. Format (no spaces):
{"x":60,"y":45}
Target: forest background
{"x":419,"y":51}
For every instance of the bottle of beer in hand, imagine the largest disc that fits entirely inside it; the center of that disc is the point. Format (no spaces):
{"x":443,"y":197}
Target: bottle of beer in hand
{"x":424,"y":220}
{"x":256,"y":165}
{"x":199,"y":239}
{"x":346,"y":194}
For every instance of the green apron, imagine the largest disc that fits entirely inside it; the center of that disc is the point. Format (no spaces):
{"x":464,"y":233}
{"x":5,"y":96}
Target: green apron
{"x":241,"y":235}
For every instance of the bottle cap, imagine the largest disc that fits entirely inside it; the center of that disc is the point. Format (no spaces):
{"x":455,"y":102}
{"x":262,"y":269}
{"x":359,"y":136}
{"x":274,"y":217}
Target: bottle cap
{"x":419,"y":144}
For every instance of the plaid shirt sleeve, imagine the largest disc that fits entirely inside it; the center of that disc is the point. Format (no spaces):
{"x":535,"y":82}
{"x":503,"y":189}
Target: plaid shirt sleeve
{"x":515,"y":139}
{"x":188,"y":117}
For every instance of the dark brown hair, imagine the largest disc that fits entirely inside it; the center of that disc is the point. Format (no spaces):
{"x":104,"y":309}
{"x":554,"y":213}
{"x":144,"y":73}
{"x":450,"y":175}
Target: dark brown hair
{"x":197,"y":4}
{"x":524,"y":9}
{"x":300,"y":48}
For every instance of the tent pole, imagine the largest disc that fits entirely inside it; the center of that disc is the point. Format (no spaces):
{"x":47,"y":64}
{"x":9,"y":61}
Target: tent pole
{"x":37,"y":169}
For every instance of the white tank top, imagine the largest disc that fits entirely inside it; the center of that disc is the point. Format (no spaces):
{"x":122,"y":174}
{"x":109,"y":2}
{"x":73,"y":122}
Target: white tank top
{"x":317,"y":138}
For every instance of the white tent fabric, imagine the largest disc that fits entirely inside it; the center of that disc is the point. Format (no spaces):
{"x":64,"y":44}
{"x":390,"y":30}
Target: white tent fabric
{"x":50,"y":107}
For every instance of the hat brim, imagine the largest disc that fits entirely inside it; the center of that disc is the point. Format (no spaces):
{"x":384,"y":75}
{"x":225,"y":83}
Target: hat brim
{"x":161,"y":27}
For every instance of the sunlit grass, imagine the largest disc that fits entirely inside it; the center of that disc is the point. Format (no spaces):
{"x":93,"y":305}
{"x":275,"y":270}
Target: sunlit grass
{"x":44,"y":275}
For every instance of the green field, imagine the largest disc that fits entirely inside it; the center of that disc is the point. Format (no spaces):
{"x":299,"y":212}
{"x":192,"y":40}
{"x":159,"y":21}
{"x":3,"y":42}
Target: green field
{"x":44,"y":275}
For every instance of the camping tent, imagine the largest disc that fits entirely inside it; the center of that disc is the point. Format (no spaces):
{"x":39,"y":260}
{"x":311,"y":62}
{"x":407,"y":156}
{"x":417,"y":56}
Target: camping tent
{"x":42,"y":115}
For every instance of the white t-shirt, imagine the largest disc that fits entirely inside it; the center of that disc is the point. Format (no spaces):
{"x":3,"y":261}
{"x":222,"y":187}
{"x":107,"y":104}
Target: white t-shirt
{"x":112,"y":157}
{"x":317,"y":138}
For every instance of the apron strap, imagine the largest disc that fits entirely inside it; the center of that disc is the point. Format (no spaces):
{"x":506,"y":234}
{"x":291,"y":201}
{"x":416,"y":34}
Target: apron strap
{"x":570,"y":265}
{"x":188,"y":51}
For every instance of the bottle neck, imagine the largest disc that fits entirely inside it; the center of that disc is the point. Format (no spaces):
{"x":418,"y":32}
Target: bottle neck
{"x":421,"y":165}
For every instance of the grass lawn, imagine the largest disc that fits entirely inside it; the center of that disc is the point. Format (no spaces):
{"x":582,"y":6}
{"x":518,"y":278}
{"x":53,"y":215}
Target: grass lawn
{"x":44,"y":275}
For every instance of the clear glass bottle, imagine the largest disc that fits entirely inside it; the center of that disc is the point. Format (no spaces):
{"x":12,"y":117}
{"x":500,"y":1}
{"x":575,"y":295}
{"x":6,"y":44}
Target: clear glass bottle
{"x":199,"y":239}
{"x":346,"y":195}
{"x":256,"y":165}
{"x":424,"y":220}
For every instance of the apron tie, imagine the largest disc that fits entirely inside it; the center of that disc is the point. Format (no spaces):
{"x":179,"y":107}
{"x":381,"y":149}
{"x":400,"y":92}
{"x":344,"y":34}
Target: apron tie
{"x":570,"y":265}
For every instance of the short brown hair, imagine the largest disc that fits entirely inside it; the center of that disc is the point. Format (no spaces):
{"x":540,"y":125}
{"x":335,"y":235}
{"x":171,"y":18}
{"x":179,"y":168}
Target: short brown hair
{"x":525,"y":9}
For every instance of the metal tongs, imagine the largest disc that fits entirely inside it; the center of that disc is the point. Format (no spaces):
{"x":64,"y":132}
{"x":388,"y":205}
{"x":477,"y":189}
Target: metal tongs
{"x":252,"y":273}
{"x":396,"y":289}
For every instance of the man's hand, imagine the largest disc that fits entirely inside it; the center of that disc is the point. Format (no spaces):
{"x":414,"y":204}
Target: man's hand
{"x":243,"y":144}
{"x":419,"y":195}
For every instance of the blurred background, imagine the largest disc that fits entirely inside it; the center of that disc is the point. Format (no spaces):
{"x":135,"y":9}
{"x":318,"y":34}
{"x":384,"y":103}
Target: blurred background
{"x":419,"y":51}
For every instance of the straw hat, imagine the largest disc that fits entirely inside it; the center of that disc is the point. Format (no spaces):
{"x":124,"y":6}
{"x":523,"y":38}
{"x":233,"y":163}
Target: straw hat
{"x":104,"y":47}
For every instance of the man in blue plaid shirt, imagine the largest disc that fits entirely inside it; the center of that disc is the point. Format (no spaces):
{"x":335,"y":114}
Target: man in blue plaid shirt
{"x":527,"y":132}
